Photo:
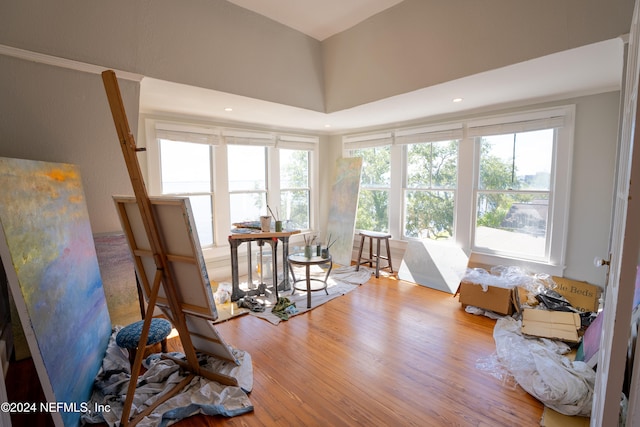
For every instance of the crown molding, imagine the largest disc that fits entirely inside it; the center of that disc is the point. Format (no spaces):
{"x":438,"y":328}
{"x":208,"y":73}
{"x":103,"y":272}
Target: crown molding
{"x":84,"y":67}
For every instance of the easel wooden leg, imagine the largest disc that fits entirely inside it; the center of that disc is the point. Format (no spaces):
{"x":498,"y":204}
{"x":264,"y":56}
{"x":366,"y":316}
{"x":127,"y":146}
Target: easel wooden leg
{"x":182,"y":384}
{"x":135,"y":368}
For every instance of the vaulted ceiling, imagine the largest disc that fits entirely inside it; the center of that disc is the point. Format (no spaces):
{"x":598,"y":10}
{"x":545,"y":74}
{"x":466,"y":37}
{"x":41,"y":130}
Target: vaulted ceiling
{"x":586,"y":70}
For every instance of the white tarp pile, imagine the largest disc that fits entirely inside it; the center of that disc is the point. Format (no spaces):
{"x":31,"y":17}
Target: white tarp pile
{"x":200,"y":396}
{"x":540,"y":367}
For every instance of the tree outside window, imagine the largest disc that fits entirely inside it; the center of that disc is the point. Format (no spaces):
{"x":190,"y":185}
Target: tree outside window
{"x":429,"y":195}
{"x":373,"y":202}
{"x":514,"y":181}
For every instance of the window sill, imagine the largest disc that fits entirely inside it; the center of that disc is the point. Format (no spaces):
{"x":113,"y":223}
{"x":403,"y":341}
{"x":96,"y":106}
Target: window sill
{"x":532,"y":266}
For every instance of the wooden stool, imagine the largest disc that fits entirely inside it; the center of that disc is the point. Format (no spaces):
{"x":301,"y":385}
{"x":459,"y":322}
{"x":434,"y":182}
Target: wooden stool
{"x":129,"y":336}
{"x":374,"y":257}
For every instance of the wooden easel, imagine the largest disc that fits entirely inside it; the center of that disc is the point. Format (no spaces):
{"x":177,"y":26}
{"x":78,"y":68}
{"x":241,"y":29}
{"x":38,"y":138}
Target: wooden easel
{"x":163,"y":275}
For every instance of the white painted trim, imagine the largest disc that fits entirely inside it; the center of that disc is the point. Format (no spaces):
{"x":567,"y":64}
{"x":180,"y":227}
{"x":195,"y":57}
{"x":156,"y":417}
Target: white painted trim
{"x":70,"y":64}
{"x":625,"y":252}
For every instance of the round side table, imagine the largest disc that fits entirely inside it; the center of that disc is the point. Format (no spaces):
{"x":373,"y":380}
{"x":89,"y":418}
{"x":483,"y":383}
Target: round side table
{"x":301,"y":260}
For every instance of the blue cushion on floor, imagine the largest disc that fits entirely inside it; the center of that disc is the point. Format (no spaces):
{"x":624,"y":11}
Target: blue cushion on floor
{"x":129,"y":336}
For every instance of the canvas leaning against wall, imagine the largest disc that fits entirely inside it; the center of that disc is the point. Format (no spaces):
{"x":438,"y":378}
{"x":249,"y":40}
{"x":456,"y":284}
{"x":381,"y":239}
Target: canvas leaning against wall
{"x":49,"y":256}
{"x":118,"y":278}
{"x":344,"y":205}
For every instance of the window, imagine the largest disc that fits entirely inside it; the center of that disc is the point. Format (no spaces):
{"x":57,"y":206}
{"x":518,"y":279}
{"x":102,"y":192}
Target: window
{"x":375,"y":180}
{"x":232,"y":175}
{"x":497,"y":186}
{"x":373,"y":202}
{"x":186,"y":169}
{"x":429,"y":193}
{"x":247,"y":168}
{"x":514,"y":183}
{"x":295,"y":193}
{"x":521,"y":191}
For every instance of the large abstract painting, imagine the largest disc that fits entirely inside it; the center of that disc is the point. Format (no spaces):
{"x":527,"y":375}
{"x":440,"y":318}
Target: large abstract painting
{"x":342,"y":211}
{"x":49,"y":256}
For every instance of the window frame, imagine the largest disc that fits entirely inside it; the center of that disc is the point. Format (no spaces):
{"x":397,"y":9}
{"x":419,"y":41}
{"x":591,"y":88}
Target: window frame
{"x":562,"y":120}
{"x":465,"y":131}
{"x":261,"y":191}
{"x":182,"y":132}
{"x":376,"y":141}
{"x":219,"y":137}
{"x":430,"y":188}
{"x":306,"y":189}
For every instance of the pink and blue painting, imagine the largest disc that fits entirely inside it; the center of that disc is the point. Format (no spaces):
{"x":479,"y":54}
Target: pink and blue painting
{"x":49,"y":256}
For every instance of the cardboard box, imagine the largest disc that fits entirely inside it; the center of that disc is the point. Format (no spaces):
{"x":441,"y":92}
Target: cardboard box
{"x":551,"y":418}
{"x":498,"y":300}
{"x":583,"y":296}
{"x":558,"y":325}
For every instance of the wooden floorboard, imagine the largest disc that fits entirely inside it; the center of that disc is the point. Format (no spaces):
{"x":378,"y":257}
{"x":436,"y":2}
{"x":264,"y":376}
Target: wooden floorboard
{"x":390,"y":353}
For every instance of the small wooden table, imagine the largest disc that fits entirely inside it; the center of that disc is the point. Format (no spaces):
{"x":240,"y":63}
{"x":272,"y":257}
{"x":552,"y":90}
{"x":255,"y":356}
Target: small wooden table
{"x":301,"y":260}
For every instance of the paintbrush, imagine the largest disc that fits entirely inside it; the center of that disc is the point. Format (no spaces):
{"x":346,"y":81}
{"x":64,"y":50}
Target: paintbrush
{"x":272,"y":214}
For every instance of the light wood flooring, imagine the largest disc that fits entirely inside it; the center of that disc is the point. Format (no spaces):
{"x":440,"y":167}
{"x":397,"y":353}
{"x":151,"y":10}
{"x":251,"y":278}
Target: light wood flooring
{"x":390,"y":353}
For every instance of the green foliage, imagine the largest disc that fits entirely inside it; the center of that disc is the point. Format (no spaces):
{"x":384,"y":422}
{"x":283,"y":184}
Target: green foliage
{"x":429,"y":214}
{"x":495,"y":174}
{"x":373,"y":202}
{"x":432,"y":173}
{"x":373,"y":213}
{"x":428,"y":210}
{"x":493,"y":218}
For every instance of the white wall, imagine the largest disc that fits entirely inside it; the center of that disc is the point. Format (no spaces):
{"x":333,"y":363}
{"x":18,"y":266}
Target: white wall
{"x":58,"y":115}
{"x":592,"y":186}
{"x":421,"y":43}
{"x":212,"y":44}
{"x":217,"y":45}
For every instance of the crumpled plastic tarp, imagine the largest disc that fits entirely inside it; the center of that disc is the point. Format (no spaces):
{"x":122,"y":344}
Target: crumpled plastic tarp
{"x":200,"y":396}
{"x":509,"y":277}
{"x":541,"y":369}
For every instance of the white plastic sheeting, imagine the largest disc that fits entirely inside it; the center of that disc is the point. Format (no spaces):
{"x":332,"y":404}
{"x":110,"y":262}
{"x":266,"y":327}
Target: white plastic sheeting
{"x":200,"y":396}
{"x":540,"y":367}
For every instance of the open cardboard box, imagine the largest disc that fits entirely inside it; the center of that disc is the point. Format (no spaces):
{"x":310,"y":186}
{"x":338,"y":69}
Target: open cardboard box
{"x":559,"y":325}
{"x":496,"y":299}
{"x":551,"y":418}
{"x":583,"y":296}
{"x":504,"y":301}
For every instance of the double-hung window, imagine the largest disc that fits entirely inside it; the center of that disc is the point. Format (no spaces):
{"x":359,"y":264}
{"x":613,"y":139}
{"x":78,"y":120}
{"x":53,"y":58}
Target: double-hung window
{"x":186,"y":164}
{"x":247,"y":169}
{"x":233,"y":175}
{"x":496,"y":186}
{"x":430,"y":156}
{"x":375,"y":180}
{"x":521,"y":185}
{"x":295,"y":190}
{"x":296,"y":163}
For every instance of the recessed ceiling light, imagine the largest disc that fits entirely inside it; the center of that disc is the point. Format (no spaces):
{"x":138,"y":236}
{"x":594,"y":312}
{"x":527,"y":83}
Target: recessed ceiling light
{"x":457,"y":99}
{"x":228,"y":109}
{"x":327,"y":126}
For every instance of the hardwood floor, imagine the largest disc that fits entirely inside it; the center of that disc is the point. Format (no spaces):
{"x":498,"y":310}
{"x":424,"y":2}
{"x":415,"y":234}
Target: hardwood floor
{"x":390,"y":353}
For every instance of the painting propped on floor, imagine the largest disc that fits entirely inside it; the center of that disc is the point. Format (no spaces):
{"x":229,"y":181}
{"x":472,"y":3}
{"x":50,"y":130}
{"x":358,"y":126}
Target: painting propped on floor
{"x":49,"y":256}
{"x":343,"y":207}
{"x":118,"y":278}
{"x":437,"y":265}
